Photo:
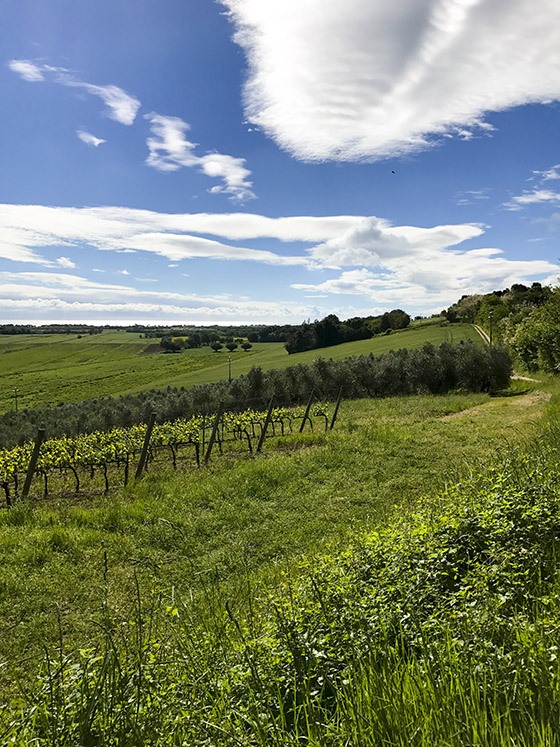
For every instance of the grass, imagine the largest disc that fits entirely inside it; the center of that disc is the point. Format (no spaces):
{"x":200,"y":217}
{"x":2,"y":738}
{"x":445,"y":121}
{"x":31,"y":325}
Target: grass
{"x":48,"y":369}
{"x":237,"y":523}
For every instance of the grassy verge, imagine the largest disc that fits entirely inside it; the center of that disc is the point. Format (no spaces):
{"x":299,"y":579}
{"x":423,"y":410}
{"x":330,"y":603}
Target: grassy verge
{"x":181,"y":545}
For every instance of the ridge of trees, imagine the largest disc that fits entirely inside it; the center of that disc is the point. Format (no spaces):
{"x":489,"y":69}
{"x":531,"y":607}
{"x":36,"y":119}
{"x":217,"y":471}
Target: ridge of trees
{"x":331,"y":331}
{"x":526,"y":318}
{"x":465,"y":365}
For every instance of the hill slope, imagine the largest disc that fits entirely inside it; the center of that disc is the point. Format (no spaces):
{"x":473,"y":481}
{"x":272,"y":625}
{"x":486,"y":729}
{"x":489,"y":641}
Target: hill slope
{"x":58,"y":368}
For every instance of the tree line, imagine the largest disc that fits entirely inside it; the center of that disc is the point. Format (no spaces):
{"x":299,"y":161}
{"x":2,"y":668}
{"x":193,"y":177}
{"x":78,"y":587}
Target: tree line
{"x":430,"y":369}
{"x":526,"y":318}
{"x":331,"y":331}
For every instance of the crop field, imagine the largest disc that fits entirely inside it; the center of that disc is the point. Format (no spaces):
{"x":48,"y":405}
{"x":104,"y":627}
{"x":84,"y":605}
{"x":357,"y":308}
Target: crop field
{"x":61,"y":368}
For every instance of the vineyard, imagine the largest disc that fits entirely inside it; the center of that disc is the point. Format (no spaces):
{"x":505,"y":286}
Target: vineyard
{"x":109,"y":456}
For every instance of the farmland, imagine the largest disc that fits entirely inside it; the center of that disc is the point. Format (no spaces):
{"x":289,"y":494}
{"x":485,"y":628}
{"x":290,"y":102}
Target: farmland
{"x":279,"y":598}
{"x":60,"y":368}
{"x":235,"y":531}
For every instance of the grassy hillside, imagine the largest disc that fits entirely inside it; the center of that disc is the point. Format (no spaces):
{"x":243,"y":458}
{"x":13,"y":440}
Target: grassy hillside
{"x":219,"y":531}
{"x":60,"y":368}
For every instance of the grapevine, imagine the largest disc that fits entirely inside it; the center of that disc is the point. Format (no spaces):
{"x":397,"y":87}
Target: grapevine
{"x":116,"y":448}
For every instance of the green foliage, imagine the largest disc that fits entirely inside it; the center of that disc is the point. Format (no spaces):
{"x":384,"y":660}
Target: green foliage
{"x":440,"y":629}
{"x":536,"y":338}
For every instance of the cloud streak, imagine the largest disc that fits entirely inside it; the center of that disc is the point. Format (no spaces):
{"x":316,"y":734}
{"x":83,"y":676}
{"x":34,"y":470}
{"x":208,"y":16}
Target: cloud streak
{"x":121,"y":106}
{"x":365,"y":79}
{"x":169,"y":150}
{"x":89,"y":139}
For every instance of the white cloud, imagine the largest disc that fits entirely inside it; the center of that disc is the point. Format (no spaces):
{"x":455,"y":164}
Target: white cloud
{"x":547,"y":174}
{"x":121,"y":106}
{"x":434,"y":277}
{"x":471,"y":196}
{"x":355,"y":79}
{"x":23,"y":295}
{"x":532,"y":198}
{"x":124,"y":272}
{"x":372,"y":242}
{"x":27,"y":70}
{"x":66,"y":262}
{"x":121,"y":230}
{"x":412,"y":266}
{"x":169,"y":150}
{"x":89,"y":139}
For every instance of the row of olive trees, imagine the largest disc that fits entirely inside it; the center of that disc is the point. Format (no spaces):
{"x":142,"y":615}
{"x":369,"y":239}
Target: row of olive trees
{"x":427,"y":370}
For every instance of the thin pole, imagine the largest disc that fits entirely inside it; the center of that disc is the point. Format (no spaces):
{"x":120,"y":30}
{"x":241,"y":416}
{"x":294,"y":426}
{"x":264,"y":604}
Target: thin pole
{"x":229,"y":364}
{"x":33,"y":462}
{"x":335,"y":413}
{"x":144,"y":452}
{"x":306,"y":416}
{"x":266,"y":424}
{"x":214,"y":432}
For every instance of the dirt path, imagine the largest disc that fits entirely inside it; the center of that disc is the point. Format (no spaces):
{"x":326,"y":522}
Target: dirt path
{"x":482,"y":333}
{"x":528,"y":400}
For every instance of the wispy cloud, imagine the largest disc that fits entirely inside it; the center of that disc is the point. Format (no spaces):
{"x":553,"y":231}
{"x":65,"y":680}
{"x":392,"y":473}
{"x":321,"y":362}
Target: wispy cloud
{"x":121,"y":106}
{"x":28,"y":70}
{"x":547,"y":174}
{"x":31,"y":294}
{"x":534,"y":197}
{"x":169,"y":150}
{"x":89,"y":139}
{"x":364,"y":80}
{"x":471,"y":196}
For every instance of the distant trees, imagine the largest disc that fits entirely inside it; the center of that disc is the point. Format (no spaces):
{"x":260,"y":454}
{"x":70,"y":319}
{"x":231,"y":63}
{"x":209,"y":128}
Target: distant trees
{"x":216,"y":346}
{"x":395,"y":319}
{"x":331,"y":331}
{"x":246,"y":346}
{"x":428,"y":370}
{"x":169,"y":345}
{"x":231,"y":346}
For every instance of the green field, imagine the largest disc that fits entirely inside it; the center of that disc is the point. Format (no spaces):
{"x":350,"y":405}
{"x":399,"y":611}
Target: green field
{"x":48,"y":369}
{"x":147,"y":574}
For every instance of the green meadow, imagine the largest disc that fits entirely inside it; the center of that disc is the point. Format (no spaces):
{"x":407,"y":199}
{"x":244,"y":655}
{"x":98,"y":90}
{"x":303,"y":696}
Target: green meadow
{"x":48,"y":369}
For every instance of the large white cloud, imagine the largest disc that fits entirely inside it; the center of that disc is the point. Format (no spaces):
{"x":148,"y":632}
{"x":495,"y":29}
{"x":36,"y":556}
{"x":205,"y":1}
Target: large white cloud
{"x":416,"y":267}
{"x":354,"y":79}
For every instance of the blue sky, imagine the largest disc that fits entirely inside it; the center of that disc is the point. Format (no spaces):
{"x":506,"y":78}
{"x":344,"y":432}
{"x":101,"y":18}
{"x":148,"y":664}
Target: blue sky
{"x":271,"y":161}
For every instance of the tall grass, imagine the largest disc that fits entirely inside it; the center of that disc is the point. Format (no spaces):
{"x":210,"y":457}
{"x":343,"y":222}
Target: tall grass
{"x":440,"y":630}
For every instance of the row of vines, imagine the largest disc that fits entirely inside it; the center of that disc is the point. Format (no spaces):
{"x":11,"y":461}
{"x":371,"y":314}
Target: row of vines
{"x":113,"y":453}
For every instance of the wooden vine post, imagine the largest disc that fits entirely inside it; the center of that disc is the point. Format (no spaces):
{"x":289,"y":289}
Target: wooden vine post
{"x":266,"y":424}
{"x":145,"y":446}
{"x":306,"y":416}
{"x":214,"y":432}
{"x":335,"y":413}
{"x":33,"y":462}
